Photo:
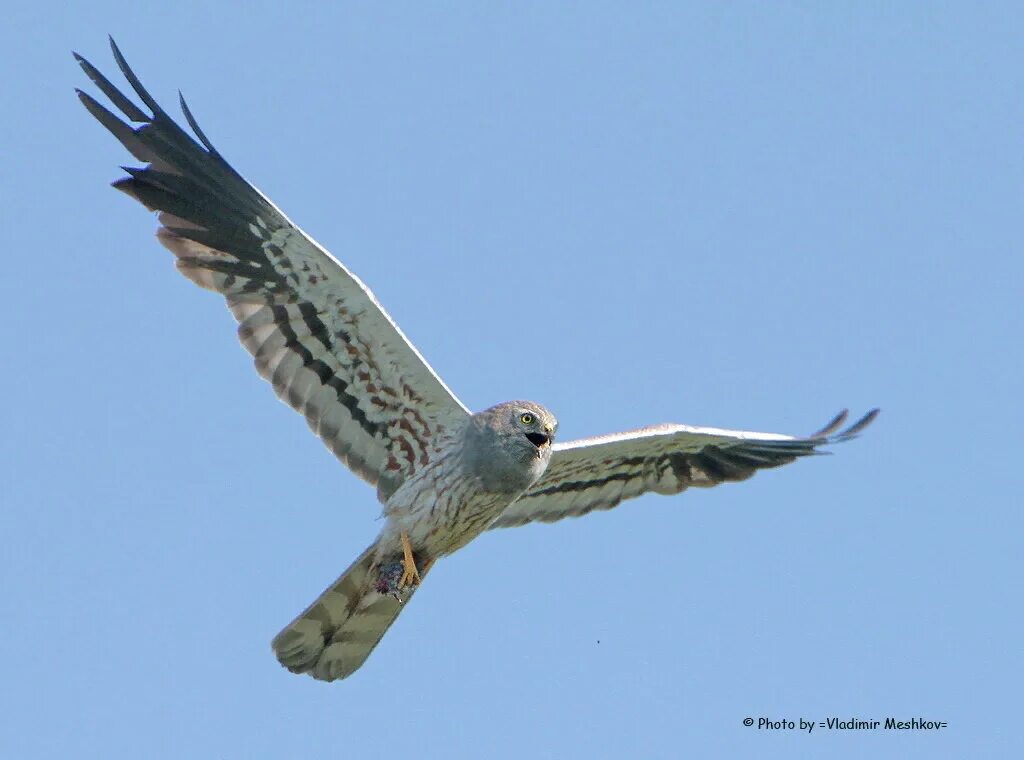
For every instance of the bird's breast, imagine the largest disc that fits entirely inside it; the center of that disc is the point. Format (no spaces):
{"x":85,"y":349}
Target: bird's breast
{"x":444,"y":510}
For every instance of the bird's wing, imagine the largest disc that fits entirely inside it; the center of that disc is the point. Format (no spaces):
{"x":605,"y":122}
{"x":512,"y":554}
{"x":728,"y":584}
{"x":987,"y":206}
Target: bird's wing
{"x":316,"y":332}
{"x":599,"y":473}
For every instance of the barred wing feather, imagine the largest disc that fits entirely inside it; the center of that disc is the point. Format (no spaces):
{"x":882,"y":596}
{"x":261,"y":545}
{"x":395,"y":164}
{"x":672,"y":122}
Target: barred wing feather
{"x":600,"y":473}
{"x":317,"y":334}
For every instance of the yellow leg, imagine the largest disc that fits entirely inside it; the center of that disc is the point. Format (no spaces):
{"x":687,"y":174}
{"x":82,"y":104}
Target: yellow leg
{"x":410,"y":575}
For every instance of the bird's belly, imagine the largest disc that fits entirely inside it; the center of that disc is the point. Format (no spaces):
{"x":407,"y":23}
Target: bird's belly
{"x":446,"y":525}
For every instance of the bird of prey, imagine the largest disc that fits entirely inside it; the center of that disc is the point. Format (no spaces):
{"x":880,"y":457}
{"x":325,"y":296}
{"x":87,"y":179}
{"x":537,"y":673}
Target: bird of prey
{"x":331,"y":352}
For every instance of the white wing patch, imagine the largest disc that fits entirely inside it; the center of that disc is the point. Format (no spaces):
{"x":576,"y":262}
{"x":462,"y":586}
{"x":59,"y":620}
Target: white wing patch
{"x":695,"y":437}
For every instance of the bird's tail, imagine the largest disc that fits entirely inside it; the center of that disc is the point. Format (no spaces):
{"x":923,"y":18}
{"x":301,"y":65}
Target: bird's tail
{"x":335,"y":634}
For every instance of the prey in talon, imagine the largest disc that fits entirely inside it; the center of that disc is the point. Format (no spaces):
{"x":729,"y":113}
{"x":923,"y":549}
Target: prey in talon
{"x":392,"y":577}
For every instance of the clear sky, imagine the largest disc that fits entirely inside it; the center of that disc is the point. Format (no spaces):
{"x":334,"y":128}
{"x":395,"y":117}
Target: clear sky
{"x":633,"y":213}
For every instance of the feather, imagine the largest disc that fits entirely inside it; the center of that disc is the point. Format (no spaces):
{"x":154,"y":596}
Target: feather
{"x":681,"y":456}
{"x":316,"y":333}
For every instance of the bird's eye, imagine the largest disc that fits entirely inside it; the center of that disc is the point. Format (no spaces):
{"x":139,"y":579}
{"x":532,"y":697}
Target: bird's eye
{"x":526,"y":419}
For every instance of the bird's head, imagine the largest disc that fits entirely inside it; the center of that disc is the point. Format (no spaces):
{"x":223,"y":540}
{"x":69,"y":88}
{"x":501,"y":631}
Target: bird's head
{"x":513,"y":440}
{"x":525,"y":419}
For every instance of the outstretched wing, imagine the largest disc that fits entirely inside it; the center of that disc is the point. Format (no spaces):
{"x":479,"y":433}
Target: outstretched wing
{"x":316,"y":332}
{"x":599,"y":473}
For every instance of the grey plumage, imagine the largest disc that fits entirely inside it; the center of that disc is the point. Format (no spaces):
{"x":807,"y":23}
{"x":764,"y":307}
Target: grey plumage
{"x":332,"y":353}
{"x":471,"y":477}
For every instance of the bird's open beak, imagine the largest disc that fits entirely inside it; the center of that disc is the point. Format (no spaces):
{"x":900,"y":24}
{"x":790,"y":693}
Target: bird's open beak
{"x":540,"y":440}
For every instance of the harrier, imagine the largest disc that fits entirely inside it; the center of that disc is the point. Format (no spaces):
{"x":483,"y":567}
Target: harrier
{"x":317,"y":334}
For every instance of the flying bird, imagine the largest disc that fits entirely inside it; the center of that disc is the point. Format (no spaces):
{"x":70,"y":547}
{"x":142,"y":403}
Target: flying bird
{"x":443,"y":474}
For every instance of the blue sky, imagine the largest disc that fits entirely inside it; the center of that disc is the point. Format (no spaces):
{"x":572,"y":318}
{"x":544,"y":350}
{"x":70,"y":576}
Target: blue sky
{"x":633,"y":213}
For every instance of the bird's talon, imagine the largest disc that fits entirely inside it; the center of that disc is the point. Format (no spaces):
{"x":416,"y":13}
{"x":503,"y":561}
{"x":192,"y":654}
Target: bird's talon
{"x":410,"y":575}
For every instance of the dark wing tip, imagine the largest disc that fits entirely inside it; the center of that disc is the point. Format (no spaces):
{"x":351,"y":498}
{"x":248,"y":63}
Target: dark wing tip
{"x":167,"y":147}
{"x":133,"y":80}
{"x":862,"y":423}
{"x":195,"y":125}
{"x":833,"y":425}
{"x":122,"y":103}
{"x":829,"y":434}
{"x":114,"y":48}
